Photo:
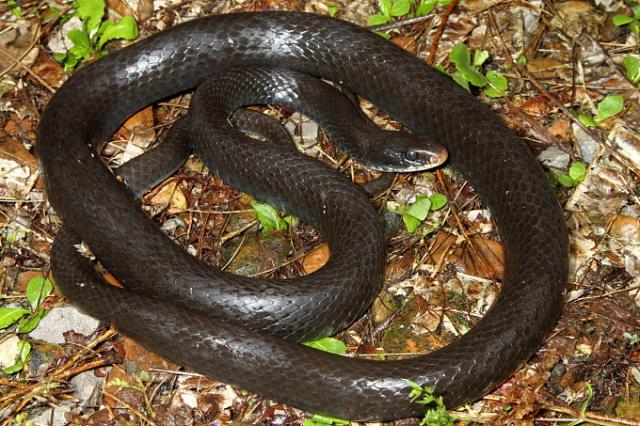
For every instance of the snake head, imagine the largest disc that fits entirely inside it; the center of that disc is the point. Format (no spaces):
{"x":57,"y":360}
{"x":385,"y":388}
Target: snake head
{"x":404,"y":152}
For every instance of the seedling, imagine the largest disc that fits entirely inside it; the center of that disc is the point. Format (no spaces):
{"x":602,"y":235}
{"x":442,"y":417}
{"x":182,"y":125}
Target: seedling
{"x":414,"y":214}
{"x":89,"y":42}
{"x":607,"y":108}
{"x":576,"y":174}
{"x":38,"y":289}
{"x":632,"y":66}
{"x":437,"y":415}
{"x":631,"y":22}
{"x":391,"y":9}
{"x":468,"y":73}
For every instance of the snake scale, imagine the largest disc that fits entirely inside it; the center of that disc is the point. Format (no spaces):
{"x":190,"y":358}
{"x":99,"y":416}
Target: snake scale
{"x":242,"y":331}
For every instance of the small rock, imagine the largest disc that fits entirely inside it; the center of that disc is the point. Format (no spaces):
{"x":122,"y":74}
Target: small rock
{"x":555,"y":158}
{"x":60,"y":320}
{"x":53,"y":416}
{"x":85,"y":385}
{"x":58,"y":42}
{"x":9,"y":350}
{"x":588,"y":146}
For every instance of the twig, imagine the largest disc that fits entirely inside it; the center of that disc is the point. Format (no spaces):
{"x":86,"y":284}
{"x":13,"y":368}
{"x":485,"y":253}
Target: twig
{"x":399,"y":24}
{"x":129,"y":407}
{"x":440,"y":32}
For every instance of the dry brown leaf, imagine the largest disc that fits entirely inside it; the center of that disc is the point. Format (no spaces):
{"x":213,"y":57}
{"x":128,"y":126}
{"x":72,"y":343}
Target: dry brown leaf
{"x":487,"y":260}
{"x":404,"y":41}
{"x":49,"y":70}
{"x":138,"y":129}
{"x":171,"y":194}
{"x":316,"y":258}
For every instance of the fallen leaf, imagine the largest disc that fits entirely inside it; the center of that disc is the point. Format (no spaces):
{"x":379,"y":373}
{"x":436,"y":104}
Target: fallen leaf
{"x":316,"y":258}
{"x":170,"y":194}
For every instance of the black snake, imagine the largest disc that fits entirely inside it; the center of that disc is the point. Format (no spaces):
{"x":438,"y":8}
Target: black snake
{"x":210,"y":324}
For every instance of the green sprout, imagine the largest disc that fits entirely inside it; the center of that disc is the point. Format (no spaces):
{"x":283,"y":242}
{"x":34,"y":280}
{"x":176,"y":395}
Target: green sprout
{"x":631,"y":22}
{"x":607,"y":108}
{"x":89,"y":42}
{"x":38,"y":289}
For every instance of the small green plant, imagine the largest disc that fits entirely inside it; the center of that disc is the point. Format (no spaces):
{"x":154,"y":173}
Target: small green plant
{"x":631,"y":22}
{"x":607,"y":108}
{"x":632,"y":67}
{"x":332,"y":9}
{"x":270,"y":218}
{"x":390,"y":9}
{"x":493,"y":83}
{"x":575,"y":175}
{"x":437,"y":415}
{"x":320,"y":420}
{"x":38,"y":289}
{"x":328,"y":344}
{"x":14,"y":8}
{"x":522,"y":60}
{"x":414,"y":214}
{"x":89,"y":42}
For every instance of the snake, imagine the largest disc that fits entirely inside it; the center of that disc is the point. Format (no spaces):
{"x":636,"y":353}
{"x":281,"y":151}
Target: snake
{"x":244,"y":331}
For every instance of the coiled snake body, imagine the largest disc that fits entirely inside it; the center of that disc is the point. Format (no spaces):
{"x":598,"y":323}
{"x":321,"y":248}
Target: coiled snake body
{"x":243,"y":332}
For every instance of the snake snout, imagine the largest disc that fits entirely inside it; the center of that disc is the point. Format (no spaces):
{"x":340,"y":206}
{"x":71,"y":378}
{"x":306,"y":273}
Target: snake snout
{"x":425,"y":158}
{"x":404,"y":152}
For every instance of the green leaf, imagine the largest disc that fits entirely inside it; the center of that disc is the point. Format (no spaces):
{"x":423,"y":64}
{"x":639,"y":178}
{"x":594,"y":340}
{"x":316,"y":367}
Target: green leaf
{"x":319,"y":419}
{"x":620,"y":20}
{"x":460,"y":56}
{"x":27,"y":325}
{"x":586,"y":120}
{"x":385,"y":7}
{"x":608,"y":107}
{"x":25,"y":350}
{"x":480,"y":57}
{"x":80,"y":39}
{"x":38,"y":289}
{"x":438,"y":201}
{"x":426,"y":7}
{"x":565,"y":180}
{"x":459,"y":78}
{"x":91,"y":12}
{"x":268,"y":217}
{"x":577,"y":172}
{"x":632,"y":66}
{"x":9,"y":316}
{"x":440,"y":68}
{"x":499,"y":84}
{"x":384,"y":35}
{"x":411,"y":222}
{"x":420,"y":209}
{"x":328,"y":344}
{"x":126,"y":28}
{"x":400,"y":8}
{"x":377,"y":20}
{"x":522,"y":60}
{"x":333,"y":9}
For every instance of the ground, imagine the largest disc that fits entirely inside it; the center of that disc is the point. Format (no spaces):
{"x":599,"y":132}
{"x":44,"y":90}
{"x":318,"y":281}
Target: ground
{"x":572,"y":96}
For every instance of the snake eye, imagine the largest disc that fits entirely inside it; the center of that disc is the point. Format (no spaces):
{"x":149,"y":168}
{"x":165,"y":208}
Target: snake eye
{"x":411,"y":155}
